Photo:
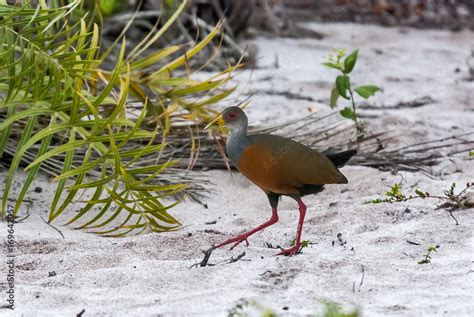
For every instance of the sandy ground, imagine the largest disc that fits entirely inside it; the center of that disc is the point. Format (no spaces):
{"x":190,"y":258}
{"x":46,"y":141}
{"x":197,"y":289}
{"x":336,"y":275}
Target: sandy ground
{"x":371,"y":265}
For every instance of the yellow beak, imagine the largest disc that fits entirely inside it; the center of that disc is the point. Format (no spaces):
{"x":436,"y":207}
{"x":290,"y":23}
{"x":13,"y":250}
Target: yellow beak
{"x":217,"y":122}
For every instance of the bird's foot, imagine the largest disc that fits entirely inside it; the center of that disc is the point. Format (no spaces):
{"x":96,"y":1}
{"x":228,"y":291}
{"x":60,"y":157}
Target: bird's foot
{"x":236,"y":241}
{"x":239,"y":239}
{"x":291,"y":251}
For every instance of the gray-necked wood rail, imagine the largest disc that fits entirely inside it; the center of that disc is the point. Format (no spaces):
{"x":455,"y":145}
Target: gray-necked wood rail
{"x":279,"y":166}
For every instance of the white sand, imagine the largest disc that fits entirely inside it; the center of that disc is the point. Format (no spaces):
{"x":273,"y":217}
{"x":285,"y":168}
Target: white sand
{"x":149,"y":275}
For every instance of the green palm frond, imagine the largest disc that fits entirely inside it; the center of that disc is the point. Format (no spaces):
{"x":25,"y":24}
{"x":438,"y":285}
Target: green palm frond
{"x":64,"y":110}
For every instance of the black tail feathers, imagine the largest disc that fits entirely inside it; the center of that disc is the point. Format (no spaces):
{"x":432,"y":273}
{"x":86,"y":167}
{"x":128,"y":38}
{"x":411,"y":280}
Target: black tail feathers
{"x":340,"y":159}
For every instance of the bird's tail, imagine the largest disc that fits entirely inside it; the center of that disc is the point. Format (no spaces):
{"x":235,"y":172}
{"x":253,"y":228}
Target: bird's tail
{"x":340,"y":159}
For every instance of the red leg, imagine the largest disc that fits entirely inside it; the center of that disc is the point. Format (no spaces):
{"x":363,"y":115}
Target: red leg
{"x":243,"y":237}
{"x":293,"y":250}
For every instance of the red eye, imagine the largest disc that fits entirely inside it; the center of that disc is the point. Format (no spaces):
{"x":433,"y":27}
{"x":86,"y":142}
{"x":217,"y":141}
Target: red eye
{"x":232,"y":115}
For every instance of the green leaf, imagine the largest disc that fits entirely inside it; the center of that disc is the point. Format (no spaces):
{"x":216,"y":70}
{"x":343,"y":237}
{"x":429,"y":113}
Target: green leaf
{"x":25,"y":136}
{"x":433,"y":248}
{"x":420,"y":193}
{"x":88,"y":207}
{"x":332,"y":65}
{"x":182,"y":60}
{"x":141,"y":47}
{"x":350,"y":62}
{"x":45,"y":143}
{"x":109,"y":7}
{"x":68,"y":160}
{"x":471,"y":153}
{"x":343,"y":84}
{"x":347,"y":113}
{"x":215,"y":98}
{"x":333,"y":98}
{"x":366,"y":91}
{"x":169,"y":3}
{"x":202,"y":86}
{"x":154,"y":57}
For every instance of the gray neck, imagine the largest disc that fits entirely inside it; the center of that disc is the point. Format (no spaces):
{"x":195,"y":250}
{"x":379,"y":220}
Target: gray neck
{"x":237,"y":141}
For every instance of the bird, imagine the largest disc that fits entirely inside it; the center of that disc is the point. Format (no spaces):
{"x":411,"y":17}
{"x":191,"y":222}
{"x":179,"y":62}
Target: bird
{"x":280,"y":167}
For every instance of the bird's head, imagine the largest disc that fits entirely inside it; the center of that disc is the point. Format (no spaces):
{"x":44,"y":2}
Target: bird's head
{"x":233,"y":117}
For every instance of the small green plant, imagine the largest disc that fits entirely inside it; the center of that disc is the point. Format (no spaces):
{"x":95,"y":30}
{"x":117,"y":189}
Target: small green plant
{"x":304,"y":244}
{"x":396,"y":195}
{"x":332,"y":309}
{"x":245,"y":307}
{"x":393,"y":195}
{"x":471,"y":153}
{"x":345,"y":64}
{"x":453,"y":200}
{"x":427,"y":257}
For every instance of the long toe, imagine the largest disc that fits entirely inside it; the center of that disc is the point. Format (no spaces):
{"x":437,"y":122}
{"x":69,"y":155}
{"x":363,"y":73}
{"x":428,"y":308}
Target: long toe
{"x":235,"y":240}
{"x":239,"y":241}
{"x":289,"y":252}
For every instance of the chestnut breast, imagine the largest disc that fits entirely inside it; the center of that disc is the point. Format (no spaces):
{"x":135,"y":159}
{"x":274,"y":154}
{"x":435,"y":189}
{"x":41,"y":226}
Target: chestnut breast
{"x":283,"y":166}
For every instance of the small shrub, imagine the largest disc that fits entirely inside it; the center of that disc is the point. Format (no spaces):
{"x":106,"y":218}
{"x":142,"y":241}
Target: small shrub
{"x":427,"y":257}
{"x":343,"y":86}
